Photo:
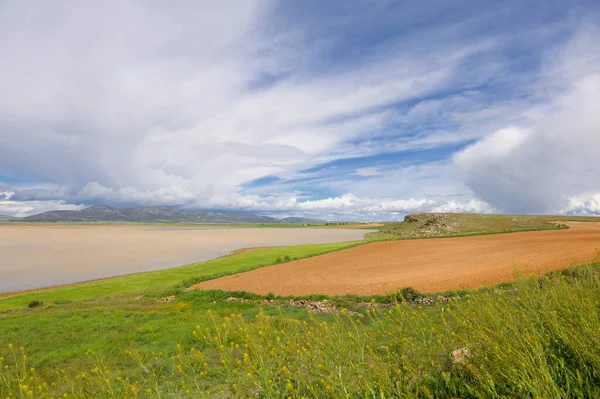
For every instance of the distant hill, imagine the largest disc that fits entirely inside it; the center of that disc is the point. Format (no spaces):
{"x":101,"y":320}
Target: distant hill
{"x":4,"y":218}
{"x":151,"y":214}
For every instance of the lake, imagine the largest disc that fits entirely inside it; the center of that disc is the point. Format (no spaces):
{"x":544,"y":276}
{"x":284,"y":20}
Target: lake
{"x":42,"y":256}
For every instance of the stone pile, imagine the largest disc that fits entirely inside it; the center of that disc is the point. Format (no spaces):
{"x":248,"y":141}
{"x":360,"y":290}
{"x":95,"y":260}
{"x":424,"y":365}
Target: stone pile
{"x":169,"y":298}
{"x":315,"y":306}
{"x":429,"y":300}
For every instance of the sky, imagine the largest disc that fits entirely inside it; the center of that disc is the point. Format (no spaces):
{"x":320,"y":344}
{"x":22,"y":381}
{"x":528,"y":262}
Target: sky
{"x":343,"y":110}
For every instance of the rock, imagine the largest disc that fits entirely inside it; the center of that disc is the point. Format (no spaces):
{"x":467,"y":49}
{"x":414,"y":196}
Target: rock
{"x":411,"y":218}
{"x":424,"y":301}
{"x":315,"y":306}
{"x":169,"y":298}
{"x":139,"y":297}
{"x":244,"y":300}
{"x":460,"y":356}
{"x":436,"y":220}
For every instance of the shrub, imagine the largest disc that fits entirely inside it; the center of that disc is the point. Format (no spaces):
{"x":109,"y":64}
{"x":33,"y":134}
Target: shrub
{"x":407,"y":294}
{"x":285,"y":259}
{"x":35,"y":304}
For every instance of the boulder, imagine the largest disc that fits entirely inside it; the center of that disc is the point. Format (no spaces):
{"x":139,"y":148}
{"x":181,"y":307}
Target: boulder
{"x":460,"y":356}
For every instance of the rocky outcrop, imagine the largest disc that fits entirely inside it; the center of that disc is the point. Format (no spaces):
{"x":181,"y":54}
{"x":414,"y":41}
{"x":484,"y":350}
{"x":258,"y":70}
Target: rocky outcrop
{"x":424,"y":225}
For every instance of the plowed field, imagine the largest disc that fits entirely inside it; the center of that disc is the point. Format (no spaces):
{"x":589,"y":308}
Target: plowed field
{"x":429,"y":265}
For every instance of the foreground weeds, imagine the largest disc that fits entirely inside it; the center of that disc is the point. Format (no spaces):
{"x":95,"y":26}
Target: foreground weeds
{"x":538,"y":339}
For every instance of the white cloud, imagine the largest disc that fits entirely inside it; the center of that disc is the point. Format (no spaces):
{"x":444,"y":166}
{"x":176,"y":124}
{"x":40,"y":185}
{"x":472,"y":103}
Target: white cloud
{"x":583,"y":206}
{"x":366,"y":172}
{"x":497,"y":145}
{"x":433,"y":180}
{"x":10,"y":207}
{"x":352,"y":207}
{"x":142,"y":103}
{"x":472,"y":206}
{"x":536,"y":167}
{"x":352,"y":203}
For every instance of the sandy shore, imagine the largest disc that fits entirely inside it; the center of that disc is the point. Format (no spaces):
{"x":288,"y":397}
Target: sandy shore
{"x":40,"y":256}
{"x":429,"y":265}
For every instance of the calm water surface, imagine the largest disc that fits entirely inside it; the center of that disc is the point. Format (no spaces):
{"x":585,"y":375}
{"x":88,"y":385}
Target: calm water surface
{"x":41,"y":256}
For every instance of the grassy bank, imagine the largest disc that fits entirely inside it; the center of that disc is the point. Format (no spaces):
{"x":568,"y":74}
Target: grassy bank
{"x":535,"y":338}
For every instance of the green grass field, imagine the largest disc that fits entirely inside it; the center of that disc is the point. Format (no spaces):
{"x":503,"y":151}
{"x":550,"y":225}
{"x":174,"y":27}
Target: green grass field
{"x":113,"y":338}
{"x":536,"y":338}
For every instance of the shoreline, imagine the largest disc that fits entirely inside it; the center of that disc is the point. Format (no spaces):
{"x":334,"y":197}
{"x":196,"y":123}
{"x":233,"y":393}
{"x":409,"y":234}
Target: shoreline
{"x":235,"y":252}
{"x":294,"y":237}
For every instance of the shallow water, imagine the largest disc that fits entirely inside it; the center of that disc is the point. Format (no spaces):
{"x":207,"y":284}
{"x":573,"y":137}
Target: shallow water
{"x":41,"y":256}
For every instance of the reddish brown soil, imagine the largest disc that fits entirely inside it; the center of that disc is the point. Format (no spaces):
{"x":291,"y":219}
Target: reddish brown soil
{"x":429,"y":265}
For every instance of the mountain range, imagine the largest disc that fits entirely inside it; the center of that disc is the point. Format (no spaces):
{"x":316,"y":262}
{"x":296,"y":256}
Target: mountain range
{"x":151,"y":214}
